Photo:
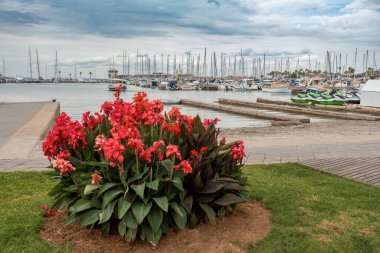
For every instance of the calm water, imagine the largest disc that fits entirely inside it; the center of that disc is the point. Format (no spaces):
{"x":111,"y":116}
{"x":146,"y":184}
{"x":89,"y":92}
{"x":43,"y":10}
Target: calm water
{"x":78,"y":98}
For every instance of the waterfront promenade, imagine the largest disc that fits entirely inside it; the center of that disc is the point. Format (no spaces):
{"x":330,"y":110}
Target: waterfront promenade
{"x":25,"y":124}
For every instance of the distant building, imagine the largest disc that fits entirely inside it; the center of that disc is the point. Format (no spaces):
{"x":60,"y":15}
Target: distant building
{"x":113,"y":73}
{"x":370,"y":93}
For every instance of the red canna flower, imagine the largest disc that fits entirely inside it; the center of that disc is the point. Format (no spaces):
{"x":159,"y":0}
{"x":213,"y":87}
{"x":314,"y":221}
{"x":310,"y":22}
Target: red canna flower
{"x":185,"y":165}
{"x":173,"y":150}
{"x":222,"y":141}
{"x":237,"y":151}
{"x":113,"y":150}
{"x":95,"y":178}
{"x":63,"y":166}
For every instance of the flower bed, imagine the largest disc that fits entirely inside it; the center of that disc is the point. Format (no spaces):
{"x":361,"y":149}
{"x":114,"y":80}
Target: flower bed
{"x":133,"y":169}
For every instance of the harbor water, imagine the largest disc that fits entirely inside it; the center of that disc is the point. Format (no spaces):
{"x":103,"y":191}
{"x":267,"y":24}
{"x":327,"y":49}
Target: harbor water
{"x":76,"y":98}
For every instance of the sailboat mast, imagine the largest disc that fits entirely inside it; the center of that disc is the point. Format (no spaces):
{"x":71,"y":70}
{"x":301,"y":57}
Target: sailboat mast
{"x":30,"y":64}
{"x":38,"y":66}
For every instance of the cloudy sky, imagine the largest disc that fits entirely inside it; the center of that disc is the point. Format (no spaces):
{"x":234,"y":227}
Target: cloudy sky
{"x":90,"y":33}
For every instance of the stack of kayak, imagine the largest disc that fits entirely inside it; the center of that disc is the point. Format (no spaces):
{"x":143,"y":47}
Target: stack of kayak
{"x":315,"y":96}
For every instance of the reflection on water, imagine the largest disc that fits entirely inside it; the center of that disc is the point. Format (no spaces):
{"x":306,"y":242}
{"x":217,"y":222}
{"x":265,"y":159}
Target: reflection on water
{"x":78,"y":98}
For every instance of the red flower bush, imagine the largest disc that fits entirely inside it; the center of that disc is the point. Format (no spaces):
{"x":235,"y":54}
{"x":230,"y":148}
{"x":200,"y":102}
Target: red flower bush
{"x":134,"y":167}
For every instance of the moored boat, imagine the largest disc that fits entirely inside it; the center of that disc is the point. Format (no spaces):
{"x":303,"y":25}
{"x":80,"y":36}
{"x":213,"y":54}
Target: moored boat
{"x":114,"y":87}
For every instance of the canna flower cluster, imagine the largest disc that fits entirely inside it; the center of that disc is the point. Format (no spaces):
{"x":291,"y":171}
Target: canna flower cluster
{"x":131,"y":155}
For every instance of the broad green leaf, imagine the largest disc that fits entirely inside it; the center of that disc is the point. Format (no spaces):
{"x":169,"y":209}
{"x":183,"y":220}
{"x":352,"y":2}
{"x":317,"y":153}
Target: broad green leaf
{"x":90,"y":217}
{"x":155,"y":218}
{"x":95,"y":202}
{"x":122,"y":228}
{"x":177,"y":182}
{"x":152,"y":236}
{"x":178,"y":209}
{"x":212,"y":187}
{"x":73,"y":218}
{"x":131,"y":234}
{"x":123,"y":206}
{"x":137,"y":176}
{"x":140,"y":210}
{"x":110,"y":195}
{"x":139,"y":189}
{"x":187,"y":203}
{"x":229,"y":199}
{"x":130,"y":220}
{"x":162,"y":202}
{"x":209,"y":212}
{"x":65,"y":201}
{"x":179,"y":217}
{"x":106,"y":213}
{"x":71,"y":188}
{"x":80,"y":205}
{"x":89,"y":188}
{"x":167,"y":163}
{"x":153,"y":185}
{"x":107,"y":186}
{"x":234,"y":187}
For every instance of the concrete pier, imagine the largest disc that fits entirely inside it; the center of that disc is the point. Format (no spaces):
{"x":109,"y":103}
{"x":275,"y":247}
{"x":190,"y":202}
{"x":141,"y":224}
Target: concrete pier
{"x":245,"y":112}
{"x":299,"y":110}
{"x":25,"y":125}
{"x":346,"y":108}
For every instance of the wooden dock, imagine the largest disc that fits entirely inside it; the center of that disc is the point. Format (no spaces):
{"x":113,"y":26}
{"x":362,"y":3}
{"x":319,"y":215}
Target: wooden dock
{"x":298,"y":110}
{"x":364,"y":170}
{"x":291,"y":119}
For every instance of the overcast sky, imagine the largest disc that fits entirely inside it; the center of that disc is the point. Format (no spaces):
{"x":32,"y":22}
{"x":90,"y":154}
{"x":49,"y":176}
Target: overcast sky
{"x":90,"y":33}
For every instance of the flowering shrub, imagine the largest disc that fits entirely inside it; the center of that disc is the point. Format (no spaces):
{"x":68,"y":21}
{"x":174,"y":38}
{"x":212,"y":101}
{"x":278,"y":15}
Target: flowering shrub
{"x":134,"y":169}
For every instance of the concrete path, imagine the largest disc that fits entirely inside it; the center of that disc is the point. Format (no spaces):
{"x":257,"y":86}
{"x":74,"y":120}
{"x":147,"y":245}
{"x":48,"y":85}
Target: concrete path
{"x":25,"y":124}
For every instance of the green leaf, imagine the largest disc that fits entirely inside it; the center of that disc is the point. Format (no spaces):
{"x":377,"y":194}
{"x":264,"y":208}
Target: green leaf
{"x":130,"y":220}
{"x":90,"y":217}
{"x":95,"y":164}
{"x":106,"y":213}
{"x":234,"y":187}
{"x":80,"y":205}
{"x":153,"y":185}
{"x":155,"y":218}
{"x":71,"y":188}
{"x":167,"y":163}
{"x":229,"y":199}
{"x":177,"y":182}
{"x":65,"y":201}
{"x":179,"y":215}
{"x":131,"y":234}
{"x":95,"y":202}
{"x":139,"y":189}
{"x":110,"y":195}
{"x":212,"y":187}
{"x":137,"y":176}
{"x":73,"y":218}
{"x":187,"y":203}
{"x":209,"y":212}
{"x":107,"y":186}
{"x":122,"y":207}
{"x":152,"y":236}
{"x":122,"y":228}
{"x":89,"y":188}
{"x":74,"y":161}
{"x":162,"y":202}
{"x":140,"y":210}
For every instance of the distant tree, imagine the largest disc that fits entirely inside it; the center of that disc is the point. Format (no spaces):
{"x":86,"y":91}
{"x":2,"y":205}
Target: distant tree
{"x":90,"y":73}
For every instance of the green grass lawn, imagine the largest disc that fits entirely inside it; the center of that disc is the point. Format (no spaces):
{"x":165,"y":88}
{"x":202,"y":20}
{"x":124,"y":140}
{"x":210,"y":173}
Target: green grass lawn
{"x":311,"y":211}
{"x":315,"y":212}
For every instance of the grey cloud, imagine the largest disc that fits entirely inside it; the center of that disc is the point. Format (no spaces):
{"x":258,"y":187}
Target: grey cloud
{"x":17,"y":18}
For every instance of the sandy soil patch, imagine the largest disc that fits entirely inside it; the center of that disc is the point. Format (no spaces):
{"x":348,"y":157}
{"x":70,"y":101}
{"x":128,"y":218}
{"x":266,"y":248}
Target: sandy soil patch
{"x":250,"y":222}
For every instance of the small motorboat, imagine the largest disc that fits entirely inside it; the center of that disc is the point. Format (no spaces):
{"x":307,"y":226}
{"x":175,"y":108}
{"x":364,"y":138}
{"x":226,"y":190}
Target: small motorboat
{"x":171,"y":101}
{"x":114,"y":87}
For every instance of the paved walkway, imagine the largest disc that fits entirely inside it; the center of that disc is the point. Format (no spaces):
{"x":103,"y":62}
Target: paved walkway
{"x":365,"y":170}
{"x":23,"y":125}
